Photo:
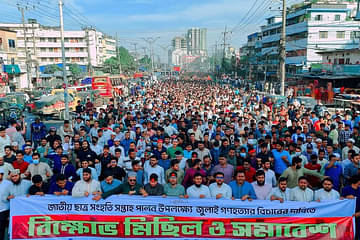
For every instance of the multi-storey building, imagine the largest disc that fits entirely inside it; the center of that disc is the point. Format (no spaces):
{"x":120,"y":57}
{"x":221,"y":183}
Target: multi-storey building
{"x":196,"y":41}
{"x":9,"y":68}
{"x":87,"y":47}
{"x":310,"y":28}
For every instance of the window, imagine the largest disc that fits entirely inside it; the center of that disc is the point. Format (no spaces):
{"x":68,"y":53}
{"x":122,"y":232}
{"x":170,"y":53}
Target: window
{"x":335,"y":61}
{"x":323,"y":34}
{"x":11,"y":43}
{"x":51,"y":49}
{"x":42,"y":39}
{"x":337,"y":17}
{"x":341,"y":61}
{"x":347,"y":61}
{"x":318,"y":18}
{"x":340,"y":34}
{"x":43,"y":50}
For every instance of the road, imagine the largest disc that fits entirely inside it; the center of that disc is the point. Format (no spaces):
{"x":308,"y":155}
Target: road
{"x":29,"y":118}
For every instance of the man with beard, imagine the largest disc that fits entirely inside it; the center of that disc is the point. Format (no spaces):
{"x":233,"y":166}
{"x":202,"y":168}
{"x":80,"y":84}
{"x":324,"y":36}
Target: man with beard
{"x":262,"y":189}
{"x":191,"y":172}
{"x":280,"y":193}
{"x":295,"y":171}
{"x":65,"y":168}
{"x":242,"y":189}
{"x":18,"y":186}
{"x":219,"y":189}
{"x":172,"y":188}
{"x":87,"y":186}
{"x":4,"y":204}
{"x":302,"y":193}
{"x":198,"y":190}
{"x":270,"y":177}
{"x":87,"y":154}
{"x":151,"y":167}
{"x":131,"y":187}
{"x":153,"y":188}
{"x":327,"y":192}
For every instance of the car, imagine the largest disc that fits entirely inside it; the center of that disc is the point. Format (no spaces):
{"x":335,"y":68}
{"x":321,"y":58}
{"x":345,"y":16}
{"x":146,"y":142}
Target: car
{"x":278,"y":100}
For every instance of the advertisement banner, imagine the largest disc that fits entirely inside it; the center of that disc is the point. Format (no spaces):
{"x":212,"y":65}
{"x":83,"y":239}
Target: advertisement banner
{"x":136,"y":217}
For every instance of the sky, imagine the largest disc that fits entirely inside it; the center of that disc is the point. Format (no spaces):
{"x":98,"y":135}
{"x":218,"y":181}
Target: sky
{"x":133,"y":20}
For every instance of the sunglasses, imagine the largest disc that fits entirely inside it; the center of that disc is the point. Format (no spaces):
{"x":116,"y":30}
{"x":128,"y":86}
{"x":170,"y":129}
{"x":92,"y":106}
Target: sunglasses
{"x":219,"y":177}
{"x":132,"y":180}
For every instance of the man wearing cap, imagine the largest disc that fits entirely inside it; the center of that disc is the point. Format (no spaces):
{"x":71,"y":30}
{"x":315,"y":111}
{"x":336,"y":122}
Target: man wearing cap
{"x":309,"y":140}
{"x":87,"y":186}
{"x":4,"y":141}
{"x":52,"y":136}
{"x":28,"y":154}
{"x":349,"y":146}
{"x":4,"y":204}
{"x":173,"y":188}
{"x":18,"y":186}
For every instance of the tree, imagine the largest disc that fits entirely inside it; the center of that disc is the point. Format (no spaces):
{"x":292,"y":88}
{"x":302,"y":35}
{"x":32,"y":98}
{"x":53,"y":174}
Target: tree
{"x":51,"y":69}
{"x":75,"y":70}
{"x":127,"y":62}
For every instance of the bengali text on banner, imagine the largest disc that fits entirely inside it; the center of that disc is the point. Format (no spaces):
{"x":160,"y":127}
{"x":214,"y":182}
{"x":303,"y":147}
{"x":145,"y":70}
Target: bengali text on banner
{"x":136,"y":217}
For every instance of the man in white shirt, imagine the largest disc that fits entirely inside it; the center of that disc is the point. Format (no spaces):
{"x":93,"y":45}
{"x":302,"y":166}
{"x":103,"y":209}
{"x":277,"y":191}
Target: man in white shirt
{"x":302,"y":193}
{"x":262,"y":190}
{"x":4,"y":141}
{"x":198,"y":190}
{"x":327,"y":192}
{"x":270,"y":177}
{"x":219,"y":189}
{"x":87,"y":186}
{"x":4,"y":204}
{"x":280,"y":193}
{"x":6,"y":168}
{"x":151,"y":166}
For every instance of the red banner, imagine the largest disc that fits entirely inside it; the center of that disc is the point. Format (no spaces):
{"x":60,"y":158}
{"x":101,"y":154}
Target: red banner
{"x":52,"y":226}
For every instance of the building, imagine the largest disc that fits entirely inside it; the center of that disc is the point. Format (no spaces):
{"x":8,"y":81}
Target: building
{"x":9,"y":68}
{"x":196,"y":41}
{"x":179,"y":43}
{"x":86,"y":47}
{"x":311,"y":27}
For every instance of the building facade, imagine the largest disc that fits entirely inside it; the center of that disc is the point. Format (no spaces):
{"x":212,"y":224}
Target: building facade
{"x":86,"y":47}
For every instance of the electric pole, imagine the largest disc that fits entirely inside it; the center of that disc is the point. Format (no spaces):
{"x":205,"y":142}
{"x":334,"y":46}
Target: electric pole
{"x":224,"y":44}
{"x":118,"y":53}
{"x":66,"y":95}
{"x":283,"y":50}
{"x":136,"y":58}
{"x":151,"y":41}
{"x":27,"y":57}
{"x":88,"y":50}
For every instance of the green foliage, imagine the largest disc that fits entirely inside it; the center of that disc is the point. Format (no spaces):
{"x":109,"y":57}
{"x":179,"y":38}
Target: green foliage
{"x":127,"y":62}
{"x":75,"y":70}
{"x":51,"y":69}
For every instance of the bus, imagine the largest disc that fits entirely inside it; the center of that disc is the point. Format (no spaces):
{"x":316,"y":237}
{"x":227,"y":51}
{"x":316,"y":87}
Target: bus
{"x":103,"y":85}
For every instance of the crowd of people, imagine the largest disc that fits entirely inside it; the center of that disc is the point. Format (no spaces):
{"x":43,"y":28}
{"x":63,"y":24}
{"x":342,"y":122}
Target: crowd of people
{"x":187,"y":139}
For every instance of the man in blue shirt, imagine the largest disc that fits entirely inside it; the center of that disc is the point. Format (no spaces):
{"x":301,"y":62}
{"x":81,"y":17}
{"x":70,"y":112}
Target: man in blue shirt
{"x":61,"y":187}
{"x":281,"y":157}
{"x":241,"y":189}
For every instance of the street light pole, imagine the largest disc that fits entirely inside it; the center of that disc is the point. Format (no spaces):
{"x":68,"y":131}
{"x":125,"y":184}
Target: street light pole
{"x":151,"y":41}
{"x":66,"y":95}
{"x":283,"y":50}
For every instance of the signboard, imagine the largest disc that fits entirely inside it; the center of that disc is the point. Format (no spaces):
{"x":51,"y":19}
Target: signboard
{"x":136,"y":217}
